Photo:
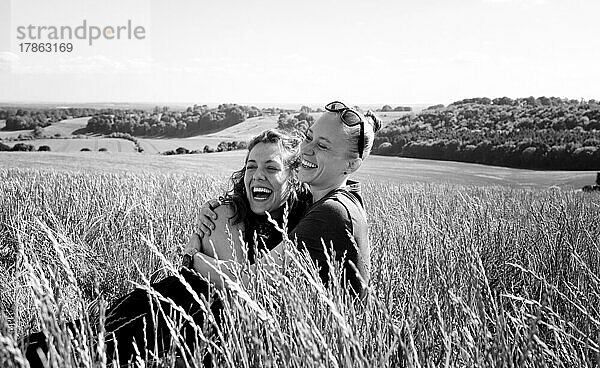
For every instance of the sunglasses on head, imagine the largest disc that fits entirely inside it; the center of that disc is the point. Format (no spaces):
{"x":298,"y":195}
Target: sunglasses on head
{"x":350,"y":117}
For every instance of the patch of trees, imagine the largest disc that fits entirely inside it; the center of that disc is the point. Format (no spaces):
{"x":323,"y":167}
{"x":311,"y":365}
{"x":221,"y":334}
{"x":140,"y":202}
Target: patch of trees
{"x":308,"y":109}
{"x":163,"y":122}
{"x":22,"y":147}
{"x":300,"y":122}
{"x":388,"y":108}
{"x":129,"y":137}
{"x":221,"y":147}
{"x":536,"y":133}
{"x":434,"y":107}
{"x":30,"y":118}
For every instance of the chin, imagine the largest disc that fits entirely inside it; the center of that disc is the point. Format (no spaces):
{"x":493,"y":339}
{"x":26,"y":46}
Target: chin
{"x":304,"y":177}
{"x":260,"y":209}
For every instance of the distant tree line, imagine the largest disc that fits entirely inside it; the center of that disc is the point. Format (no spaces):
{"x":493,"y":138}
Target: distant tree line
{"x":161,"y":121}
{"x":30,"y":118}
{"x":221,"y":147}
{"x":537,"y":133}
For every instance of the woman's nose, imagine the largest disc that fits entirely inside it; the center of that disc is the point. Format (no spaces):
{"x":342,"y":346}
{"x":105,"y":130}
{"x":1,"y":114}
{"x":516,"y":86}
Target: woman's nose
{"x":259,"y":174}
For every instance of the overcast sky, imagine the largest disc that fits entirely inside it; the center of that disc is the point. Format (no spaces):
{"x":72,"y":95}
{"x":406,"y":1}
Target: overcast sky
{"x":307,"y":52}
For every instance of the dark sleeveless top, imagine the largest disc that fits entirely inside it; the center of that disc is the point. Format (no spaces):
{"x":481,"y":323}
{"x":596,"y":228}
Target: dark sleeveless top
{"x":337,"y":224}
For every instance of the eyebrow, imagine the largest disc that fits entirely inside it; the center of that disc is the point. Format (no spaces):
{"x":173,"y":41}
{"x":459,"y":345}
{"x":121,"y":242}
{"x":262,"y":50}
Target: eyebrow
{"x":322,"y":138}
{"x":269,"y":161}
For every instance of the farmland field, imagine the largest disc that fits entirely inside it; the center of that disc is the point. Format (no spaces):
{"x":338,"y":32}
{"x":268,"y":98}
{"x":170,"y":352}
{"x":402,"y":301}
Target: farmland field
{"x":64,"y":128}
{"x":239,"y":132}
{"x":248,"y":128}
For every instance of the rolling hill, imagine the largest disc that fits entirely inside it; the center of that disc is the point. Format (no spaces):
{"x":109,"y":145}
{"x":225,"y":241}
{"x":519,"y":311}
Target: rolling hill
{"x":243,"y":131}
{"x":65,"y":128}
{"x":68,"y":128}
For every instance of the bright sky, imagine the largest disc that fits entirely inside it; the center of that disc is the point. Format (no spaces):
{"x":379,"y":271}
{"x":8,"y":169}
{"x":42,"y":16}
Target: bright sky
{"x":307,"y":52}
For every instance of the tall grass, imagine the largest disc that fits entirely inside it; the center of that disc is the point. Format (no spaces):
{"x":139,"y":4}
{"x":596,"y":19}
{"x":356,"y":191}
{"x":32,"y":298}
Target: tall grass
{"x":461,"y":276}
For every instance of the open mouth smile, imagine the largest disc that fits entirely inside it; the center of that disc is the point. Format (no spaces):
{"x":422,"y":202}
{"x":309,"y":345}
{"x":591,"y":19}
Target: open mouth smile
{"x":308,"y":165}
{"x":261,"y":193}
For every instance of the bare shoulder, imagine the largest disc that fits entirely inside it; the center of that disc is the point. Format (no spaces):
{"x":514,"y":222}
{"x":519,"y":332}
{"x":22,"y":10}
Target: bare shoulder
{"x":224,"y":223}
{"x":227,"y":236}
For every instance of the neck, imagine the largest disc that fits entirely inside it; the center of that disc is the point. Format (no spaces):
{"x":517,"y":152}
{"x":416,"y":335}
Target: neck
{"x":276,"y":213}
{"x":319,"y":193}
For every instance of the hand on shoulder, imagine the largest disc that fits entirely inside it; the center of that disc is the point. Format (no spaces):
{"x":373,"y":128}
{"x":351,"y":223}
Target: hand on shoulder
{"x":224,"y":242}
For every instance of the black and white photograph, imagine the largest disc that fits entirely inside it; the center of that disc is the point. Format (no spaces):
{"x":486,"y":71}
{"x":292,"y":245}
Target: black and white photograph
{"x":299,"y":183}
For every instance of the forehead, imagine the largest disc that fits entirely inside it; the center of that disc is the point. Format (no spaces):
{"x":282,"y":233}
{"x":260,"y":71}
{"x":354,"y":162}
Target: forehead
{"x":329,"y":126}
{"x":263,"y":152}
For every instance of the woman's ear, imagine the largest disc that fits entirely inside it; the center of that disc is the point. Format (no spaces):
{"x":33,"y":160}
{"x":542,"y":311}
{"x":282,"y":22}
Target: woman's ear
{"x":353,"y":165}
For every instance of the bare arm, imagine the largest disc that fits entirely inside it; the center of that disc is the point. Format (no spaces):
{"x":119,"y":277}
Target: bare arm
{"x":203,"y":227}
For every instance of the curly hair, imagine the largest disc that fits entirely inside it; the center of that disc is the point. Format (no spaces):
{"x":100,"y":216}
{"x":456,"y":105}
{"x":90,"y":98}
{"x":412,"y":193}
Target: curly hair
{"x":289,"y":145}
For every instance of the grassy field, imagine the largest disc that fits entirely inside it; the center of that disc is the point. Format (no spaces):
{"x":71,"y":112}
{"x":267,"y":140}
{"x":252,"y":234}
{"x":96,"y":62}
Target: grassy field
{"x":463,"y":275}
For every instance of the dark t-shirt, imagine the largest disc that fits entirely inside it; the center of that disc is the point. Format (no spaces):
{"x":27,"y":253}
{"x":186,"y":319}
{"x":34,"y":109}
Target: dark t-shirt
{"x":338,"y":219}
